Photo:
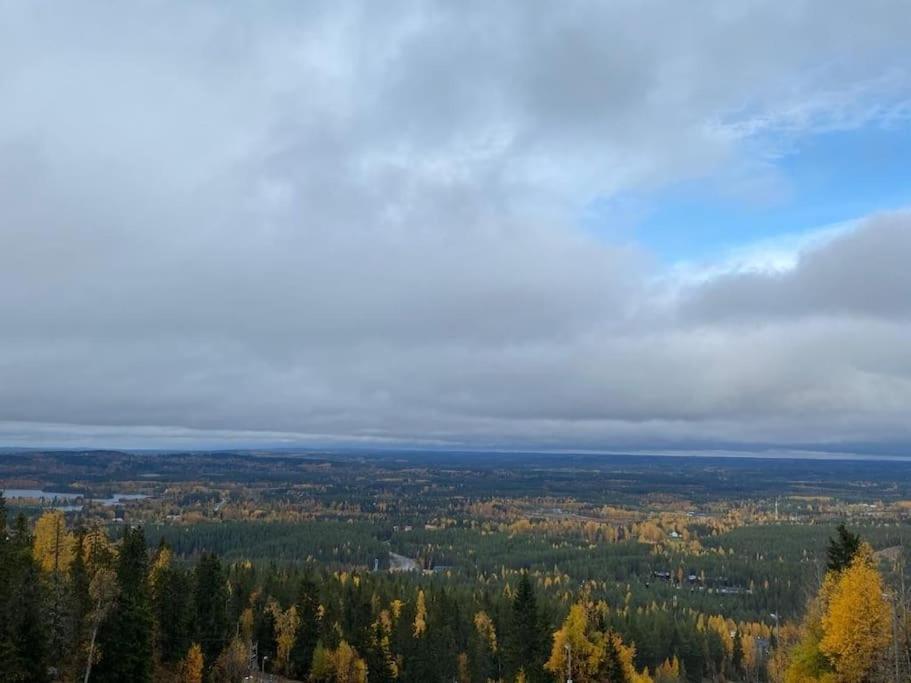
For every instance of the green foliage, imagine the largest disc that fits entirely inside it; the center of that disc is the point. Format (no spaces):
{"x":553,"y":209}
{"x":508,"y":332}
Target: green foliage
{"x":527,"y":636}
{"x":842,"y":549}
{"x":125,"y":638}
{"x":307,"y":636}
{"x":611,"y":668}
{"x":172,"y":608}
{"x":210,"y":600}
{"x":23,"y":632}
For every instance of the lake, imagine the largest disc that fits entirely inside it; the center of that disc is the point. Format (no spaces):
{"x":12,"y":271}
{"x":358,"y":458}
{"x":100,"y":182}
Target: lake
{"x":114,"y":499}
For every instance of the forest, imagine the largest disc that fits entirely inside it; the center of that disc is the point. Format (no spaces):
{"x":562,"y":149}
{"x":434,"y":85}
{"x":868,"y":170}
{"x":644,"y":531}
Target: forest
{"x":227,"y":579}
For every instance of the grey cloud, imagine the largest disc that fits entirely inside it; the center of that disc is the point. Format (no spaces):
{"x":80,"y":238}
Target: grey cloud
{"x":865,"y":273}
{"x":356,"y":223}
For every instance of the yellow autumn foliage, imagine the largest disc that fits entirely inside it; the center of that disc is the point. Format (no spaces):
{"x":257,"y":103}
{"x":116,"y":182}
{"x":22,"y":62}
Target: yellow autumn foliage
{"x":420,"y":617}
{"x":286,"y":624}
{"x":486,"y":630}
{"x":191,"y":666}
{"x":53,"y":545}
{"x":342,"y":665}
{"x":588,"y":648}
{"x":857,"y":623}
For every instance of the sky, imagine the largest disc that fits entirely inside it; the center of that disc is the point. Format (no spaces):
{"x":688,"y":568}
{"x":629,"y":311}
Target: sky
{"x":625,"y":226}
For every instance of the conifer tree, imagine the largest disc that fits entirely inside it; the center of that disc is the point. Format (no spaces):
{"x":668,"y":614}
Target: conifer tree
{"x":125,"y":639}
{"x":31,"y":628}
{"x":611,"y":669}
{"x":737,"y":655}
{"x":527,"y":635}
{"x":7,"y":582}
{"x":379,"y":658}
{"x":210,"y":599}
{"x":308,"y":628}
{"x":23,"y":636}
{"x":171,"y":609}
{"x":842,"y":549}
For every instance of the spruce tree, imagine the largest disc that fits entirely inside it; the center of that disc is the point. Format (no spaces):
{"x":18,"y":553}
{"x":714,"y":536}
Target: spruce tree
{"x":23,"y":636}
{"x":80,"y":580}
{"x":32,"y":638}
{"x":172,"y":612}
{"x":737,"y":655}
{"x":210,"y":601}
{"x":79,"y":601}
{"x":611,"y":668}
{"x":308,"y":630}
{"x":527,"y":635}
{"x":842,"y":548}
{"x":125,"y":637}
{"x":7,"y":581}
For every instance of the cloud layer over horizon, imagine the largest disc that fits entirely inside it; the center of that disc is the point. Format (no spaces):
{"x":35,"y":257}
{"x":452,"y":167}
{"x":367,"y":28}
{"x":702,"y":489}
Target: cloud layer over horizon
{"x":362,"y":223}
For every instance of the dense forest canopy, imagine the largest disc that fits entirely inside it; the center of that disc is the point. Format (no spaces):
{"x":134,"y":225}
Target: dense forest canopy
{"x":317,"y":578}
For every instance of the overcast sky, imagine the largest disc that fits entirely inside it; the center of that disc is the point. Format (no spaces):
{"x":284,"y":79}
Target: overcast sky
{"x":607,"y":225}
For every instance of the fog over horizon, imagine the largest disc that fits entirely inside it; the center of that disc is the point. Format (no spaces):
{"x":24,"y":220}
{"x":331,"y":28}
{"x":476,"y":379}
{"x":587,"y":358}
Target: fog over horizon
{"x":437,"y":225}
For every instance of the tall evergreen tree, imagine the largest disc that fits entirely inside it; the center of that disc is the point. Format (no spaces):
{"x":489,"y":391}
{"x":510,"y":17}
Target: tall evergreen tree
{"x":842,"y":548}
{"x":737,"y":655}
{"x":7,"y":584}
{"x":80,"y":580}
{"x":172,"y":612}
{"x":308,"y":629}
{"x":125,"y":637}
{"x":357,"y":616}
{"x":23,"y":636}
{"x":264,"y":632}
{"x":79,"y":603}
{"x":210,"y":601}
{"x":380,"y":661}
{"x":32,"y":638}
{"x":526,"y":638}
{"x":611,"y":668}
